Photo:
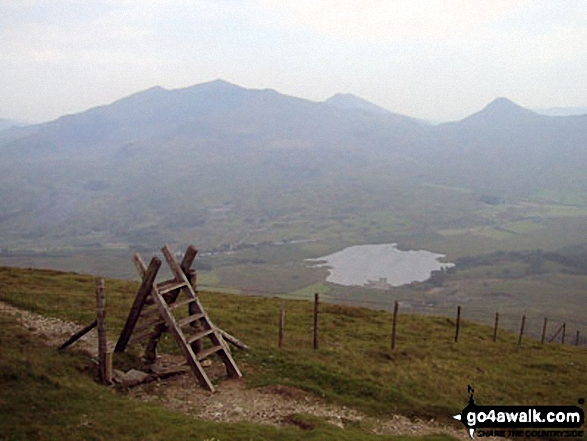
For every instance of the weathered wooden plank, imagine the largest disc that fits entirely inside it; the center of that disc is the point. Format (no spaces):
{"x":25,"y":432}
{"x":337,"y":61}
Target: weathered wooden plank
{"x":79,"y":334}
{"x":195,"y":366}
{"x":207,"y":352}
{"x":144,"y":291}
{"x":169,"y":287}
{"x":188,"y":259}
{"x":139,"y":264}
{"x":199,"y":335}
{"x":231,"y":339}
{"x":176,"y":305}
{"x":192,"y":318}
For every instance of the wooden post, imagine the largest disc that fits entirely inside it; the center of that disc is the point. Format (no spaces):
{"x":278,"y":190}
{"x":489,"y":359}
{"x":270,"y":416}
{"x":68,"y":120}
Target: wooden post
{"x":495,"y":326}
{"x":316,"y":304}
{"x":102,"y":340}
{"x":281,"y":323}
{"x":458,"y":324}
{"x":145,"y":289}
{"x":394,"y":324}
{"x":522,"y":330}
{"x":544,"y":330}
{"x":556,"y":333}
{"x":577,"y":339}
{"x":564,"y":331}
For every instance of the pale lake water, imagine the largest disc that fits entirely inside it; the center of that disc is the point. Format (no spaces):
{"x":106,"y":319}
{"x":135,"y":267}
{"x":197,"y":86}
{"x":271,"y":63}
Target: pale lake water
{"x":382,"y":264}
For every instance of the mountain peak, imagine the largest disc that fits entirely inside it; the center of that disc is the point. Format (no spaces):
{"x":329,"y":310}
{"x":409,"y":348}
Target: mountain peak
{"x":501,"y":110}
{"x":504,"y":107}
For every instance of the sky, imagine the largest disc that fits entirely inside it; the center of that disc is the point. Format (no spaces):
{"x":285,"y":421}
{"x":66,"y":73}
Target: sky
{"x":434,"y":59}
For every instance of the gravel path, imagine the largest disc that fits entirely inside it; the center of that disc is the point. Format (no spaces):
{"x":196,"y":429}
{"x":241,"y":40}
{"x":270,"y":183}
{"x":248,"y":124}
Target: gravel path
{"x":232,"y":402}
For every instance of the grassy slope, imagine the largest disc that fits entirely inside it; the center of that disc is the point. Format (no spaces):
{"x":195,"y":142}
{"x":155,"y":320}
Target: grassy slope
{"x":47,"y":395}
{"x":426,"y":375}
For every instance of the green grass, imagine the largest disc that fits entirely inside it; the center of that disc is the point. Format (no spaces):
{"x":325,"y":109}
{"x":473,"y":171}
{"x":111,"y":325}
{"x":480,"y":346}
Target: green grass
{"x":426,"y":375}
{"x":46,"y":395}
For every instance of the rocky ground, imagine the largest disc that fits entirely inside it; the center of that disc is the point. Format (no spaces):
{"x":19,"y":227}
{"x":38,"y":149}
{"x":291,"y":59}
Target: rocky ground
{"x":232,"y":401}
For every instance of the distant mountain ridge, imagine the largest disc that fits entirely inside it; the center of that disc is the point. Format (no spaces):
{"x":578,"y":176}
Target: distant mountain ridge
{"x":166,"y":160}
{"x":350,"y":101}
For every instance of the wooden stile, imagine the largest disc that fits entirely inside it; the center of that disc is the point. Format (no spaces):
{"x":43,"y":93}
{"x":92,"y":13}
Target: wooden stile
{"x":189,"y":332}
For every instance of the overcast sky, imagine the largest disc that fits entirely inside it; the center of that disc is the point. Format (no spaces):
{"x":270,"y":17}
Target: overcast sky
{"x":434,"y":59}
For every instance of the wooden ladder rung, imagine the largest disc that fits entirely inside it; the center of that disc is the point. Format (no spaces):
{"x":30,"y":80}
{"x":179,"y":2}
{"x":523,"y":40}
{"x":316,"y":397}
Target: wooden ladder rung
{"x":192,"y":318}
{"x":149,"y":313}
{"x":199,"y":335}
{"x":136,"y":337}
{"x":149,"y":325}
{"x":180,"y":304}
{"x":207,"y":352}
{"x":169,"y":286}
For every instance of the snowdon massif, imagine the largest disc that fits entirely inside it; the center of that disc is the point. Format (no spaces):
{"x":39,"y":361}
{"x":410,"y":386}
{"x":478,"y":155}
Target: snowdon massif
{"x":234,"y":166}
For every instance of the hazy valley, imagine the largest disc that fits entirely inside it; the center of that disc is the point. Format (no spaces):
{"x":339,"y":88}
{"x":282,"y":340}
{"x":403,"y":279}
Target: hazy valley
{"x":260,"y":181}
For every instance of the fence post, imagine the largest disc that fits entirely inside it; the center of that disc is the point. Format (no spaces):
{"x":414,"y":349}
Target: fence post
{"x":564,"y":331}
{"x":544,"y":330}
{"x":495,"y":326}
{"x":522,"y":330}
{"x":394,"y":324}
{"x":458,"y":324}
{"x":281,"y":322}
{"x":316,"y":303}
{"x":105,"y":371}
{"x":577,"y":339}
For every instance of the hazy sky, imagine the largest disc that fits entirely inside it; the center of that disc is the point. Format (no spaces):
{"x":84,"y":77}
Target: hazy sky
{"x":435,"y":59}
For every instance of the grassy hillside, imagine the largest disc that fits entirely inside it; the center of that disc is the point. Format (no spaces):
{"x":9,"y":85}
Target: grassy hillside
{"x":45,"y":395}
{"x":426,"y":375}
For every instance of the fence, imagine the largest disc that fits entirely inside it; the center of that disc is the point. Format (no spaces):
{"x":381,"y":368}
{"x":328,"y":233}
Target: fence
{"x":549,"y":333}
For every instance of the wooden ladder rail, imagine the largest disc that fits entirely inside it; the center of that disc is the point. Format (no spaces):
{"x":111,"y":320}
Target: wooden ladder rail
{"x":219,"y":346}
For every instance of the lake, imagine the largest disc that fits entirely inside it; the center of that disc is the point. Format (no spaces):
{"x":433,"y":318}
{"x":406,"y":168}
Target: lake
{"x":380,"y":266}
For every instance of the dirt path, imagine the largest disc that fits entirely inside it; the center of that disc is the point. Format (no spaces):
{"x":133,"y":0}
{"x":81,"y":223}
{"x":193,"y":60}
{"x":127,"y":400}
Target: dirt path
{"x":232,"y":402}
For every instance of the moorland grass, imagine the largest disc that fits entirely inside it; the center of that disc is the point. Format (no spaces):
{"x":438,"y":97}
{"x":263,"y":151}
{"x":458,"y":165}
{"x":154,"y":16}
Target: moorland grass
{"x":426,"y":375}
{"x":46,"y":395}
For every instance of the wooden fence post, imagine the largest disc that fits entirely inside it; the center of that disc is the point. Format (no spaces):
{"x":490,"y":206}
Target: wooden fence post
{"x":105,"y":370}
{"x":544,"y":330}
{"x":495,"y":326}
{"x":577,"y":339}
{"x":458,"y":324}
{"x":316,"y":303}
{"x":281,"y":322}
{"x":394,"y":324}
{"x":564,"y":331}
{"x":522,"y":330}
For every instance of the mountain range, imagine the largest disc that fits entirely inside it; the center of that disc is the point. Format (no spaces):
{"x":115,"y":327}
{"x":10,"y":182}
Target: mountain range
{"x":228,"y":164}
